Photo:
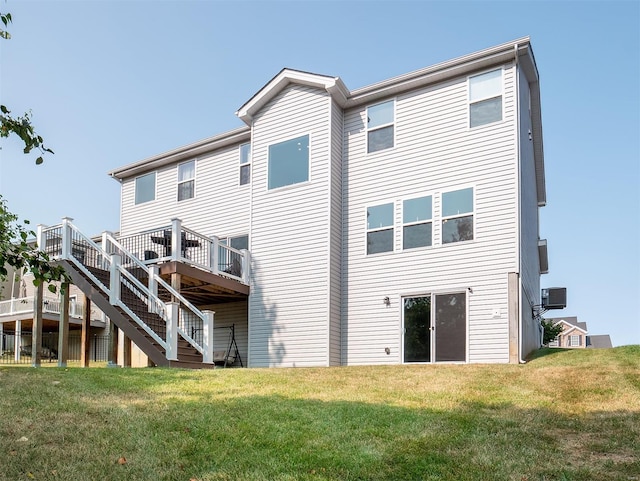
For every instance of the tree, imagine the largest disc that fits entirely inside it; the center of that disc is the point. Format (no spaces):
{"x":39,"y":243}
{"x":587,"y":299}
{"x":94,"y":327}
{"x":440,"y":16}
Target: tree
{"x":551,"y":331}
{"x":15,"y":250}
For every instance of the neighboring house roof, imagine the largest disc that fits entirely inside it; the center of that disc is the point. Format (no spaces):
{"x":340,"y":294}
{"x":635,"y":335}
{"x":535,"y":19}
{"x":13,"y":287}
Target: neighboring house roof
{"x":518,"y":50}
{"x":570,"y":321}
{"x":602,"y":341}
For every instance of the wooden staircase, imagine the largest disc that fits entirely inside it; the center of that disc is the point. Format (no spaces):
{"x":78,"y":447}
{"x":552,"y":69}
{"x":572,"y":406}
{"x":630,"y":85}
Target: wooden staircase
{"x":188,"y":356}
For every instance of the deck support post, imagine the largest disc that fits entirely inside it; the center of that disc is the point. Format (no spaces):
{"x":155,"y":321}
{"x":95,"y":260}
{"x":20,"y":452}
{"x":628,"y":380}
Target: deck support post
{"x":126,"y":351}
{"x":36,"y":330}
{"x":63,"y":327}
{"x":207,"y":337}
{"x":173,"y":313}
{"x":84,"y":337}
{"x":176,"y":239}
{"x":114,"y":280}
{"x":112,"y":356}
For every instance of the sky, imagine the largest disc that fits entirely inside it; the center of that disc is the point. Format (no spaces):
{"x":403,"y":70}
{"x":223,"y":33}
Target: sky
{"x":110,"y":83}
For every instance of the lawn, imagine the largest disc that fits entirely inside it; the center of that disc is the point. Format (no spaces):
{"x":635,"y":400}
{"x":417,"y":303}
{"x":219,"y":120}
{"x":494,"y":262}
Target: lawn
{"x":565,"y":415}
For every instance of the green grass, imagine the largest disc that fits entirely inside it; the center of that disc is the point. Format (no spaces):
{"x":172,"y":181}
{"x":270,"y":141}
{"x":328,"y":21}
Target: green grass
{"x":566,"y":415}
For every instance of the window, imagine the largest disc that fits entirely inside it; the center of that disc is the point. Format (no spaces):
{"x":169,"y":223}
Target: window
{"x":145,"y":188}
{"x":289,"y":162}
{"x":485,"y":98}
{"x":416,"y":217}
{"x":457,"y":215}
{"x":380,"y":228}
{"x":245,"y":164}
{"x":240,"y":242}
{"x":186,"y":180}
{"x":380,"y":118}
{"x":574,"y":341}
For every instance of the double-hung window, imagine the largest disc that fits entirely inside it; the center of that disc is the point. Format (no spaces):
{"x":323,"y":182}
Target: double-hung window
{"x":245,"y":164}
{"x":380,"y":228}
{"x":485,"y":98}
{"x":417,"y":225}
{"x":380,"y":128}
{"x":289,"y":162}
{"x":186,"y":180}
{"x":457,"y":215}
{"x":574,"y":340}
{"x":145,"y":188}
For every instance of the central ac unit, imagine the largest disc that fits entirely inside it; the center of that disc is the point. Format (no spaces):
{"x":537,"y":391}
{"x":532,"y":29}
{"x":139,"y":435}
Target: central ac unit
{"x":554,"y":298}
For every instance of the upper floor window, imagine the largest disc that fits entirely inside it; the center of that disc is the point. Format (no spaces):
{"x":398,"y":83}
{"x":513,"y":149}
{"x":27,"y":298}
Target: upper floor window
{"x":457,"y":215}
{"x":245,"y":164}
{"x":186,"y":180}
{"x":289,"y":162}
{"x":380,"y":119}
{"x":380,"y":228}
{"x":485,"y":98}
{"x":239,"y":242}
{"x":416,"y":219}
{"x":145,"y":188}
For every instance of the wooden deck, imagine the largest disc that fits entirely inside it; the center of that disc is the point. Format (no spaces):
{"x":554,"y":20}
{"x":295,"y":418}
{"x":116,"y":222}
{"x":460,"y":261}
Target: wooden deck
{"x":200,"y":287}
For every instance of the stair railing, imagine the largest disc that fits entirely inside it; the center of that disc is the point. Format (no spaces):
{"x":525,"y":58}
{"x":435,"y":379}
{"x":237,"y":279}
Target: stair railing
{"x":66,"y":242}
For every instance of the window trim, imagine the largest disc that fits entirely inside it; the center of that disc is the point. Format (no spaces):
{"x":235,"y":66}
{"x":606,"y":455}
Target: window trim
{"x":443,"y":217}
{"x":379,"y":127}
{"x":418,"y":222}
{"x":155,"y":188}
{"x":289,"y":186}
{"x":192,"y":179}
{"x":470,"y":102}
{"x":577,"y":339}
{"x":391,"y":227}
{"x":244,"y":164}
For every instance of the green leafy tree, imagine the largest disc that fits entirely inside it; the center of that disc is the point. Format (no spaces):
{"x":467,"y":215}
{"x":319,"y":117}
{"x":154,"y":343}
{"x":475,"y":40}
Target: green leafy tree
{"x":15,"y":249}
{"x":550,"y":331}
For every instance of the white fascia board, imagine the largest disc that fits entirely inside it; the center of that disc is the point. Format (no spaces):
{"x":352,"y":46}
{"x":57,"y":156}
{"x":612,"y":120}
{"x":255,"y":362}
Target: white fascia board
{"x":571,"y":327}
{"x":242,"y":134}
{"x":437,"y":73}
{"x":333,"y":85}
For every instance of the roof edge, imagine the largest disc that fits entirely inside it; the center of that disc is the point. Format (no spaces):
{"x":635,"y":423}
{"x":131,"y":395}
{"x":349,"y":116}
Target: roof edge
{"x":181,"y":153}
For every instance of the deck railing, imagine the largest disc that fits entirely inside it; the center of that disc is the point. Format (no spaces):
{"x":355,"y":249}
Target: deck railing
{"x":125,"y":268}
{"x":178,"y":243}
{"x":51,"y":305}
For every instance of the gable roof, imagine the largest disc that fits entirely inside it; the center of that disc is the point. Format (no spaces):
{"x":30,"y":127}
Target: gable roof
{"x":570,"y":321}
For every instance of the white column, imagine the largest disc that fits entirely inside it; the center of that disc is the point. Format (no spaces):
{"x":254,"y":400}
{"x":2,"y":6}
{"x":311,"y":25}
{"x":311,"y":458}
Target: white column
{"x":153,"y":288}
{"x":173,"y":317}
{"x":66,"y":237}
{"x":176,"y":239}
{"x":105,"y":247}
{"x":114,"y":281}
{"x":16,"y":341}
{"x":1,"y":336}
{"x":207,"y":337}
{"x":246,"y":262}
{"x":40,"y":239}
{"x":215,"y":254}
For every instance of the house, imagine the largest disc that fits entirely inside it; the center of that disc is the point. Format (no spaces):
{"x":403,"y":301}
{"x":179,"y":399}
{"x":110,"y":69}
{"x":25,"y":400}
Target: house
{"x":576,"y":336}
{"x":17,"y":313}
{"x":393,"y":223}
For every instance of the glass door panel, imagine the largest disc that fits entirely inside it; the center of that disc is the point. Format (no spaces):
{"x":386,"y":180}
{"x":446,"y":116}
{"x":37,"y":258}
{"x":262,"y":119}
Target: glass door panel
{"x":451,"y":327}
{"x":417,"y":329}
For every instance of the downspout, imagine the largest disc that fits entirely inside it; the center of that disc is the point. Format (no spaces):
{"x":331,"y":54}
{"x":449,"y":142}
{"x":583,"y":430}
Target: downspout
{"x":518,"y":239}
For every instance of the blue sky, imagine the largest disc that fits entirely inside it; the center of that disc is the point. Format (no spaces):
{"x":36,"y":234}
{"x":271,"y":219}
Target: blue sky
{"x":111,"y":83}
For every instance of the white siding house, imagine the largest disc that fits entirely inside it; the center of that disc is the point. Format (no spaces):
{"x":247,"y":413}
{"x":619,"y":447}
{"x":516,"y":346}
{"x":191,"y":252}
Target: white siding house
{"x":389,"y":224}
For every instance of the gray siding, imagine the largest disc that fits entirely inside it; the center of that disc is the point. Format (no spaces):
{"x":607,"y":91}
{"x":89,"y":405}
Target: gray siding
{"x":434,"y":152}
{"x":289,"y":322}
{"x":529,"y":225}
{"x":220,"y":206}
